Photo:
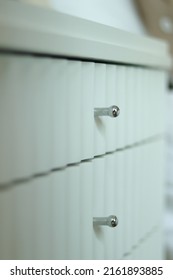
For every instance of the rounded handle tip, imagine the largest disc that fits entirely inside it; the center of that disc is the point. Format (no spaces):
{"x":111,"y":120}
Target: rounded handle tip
{"x":114,"y":111}
{"x":112,"y":221}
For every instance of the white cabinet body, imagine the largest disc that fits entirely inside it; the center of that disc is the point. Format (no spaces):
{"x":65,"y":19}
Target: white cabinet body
{"x":59,"y":165}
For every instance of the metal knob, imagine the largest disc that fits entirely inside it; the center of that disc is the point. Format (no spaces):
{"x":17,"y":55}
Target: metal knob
{"x":112,"y":111}
{"x":110,"y":221}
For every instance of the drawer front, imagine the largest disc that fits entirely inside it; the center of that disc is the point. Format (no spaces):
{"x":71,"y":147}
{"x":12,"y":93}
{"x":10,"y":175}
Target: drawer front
{"x":51,"y":216}
{"x":105,"y":95}
{"x":47,"y":120}
{"x":149,"y":247}
{"x":108,"y":200}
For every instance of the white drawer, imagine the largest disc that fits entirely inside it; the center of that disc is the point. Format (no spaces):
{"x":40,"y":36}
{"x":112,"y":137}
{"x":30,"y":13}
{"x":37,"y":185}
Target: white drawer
{"x":56,"y":211}
{"x":106,"y":131}
{"x":114,"y":204}
{"x":71,"y":211}
{"x":47,"y":111}
{"x":16,"y":115}
{"x":150,"y":248}
{"x":109,"y":199}
{"x":46,"y":115}
{"x":7,"y":222}
{"x":128,"y":200}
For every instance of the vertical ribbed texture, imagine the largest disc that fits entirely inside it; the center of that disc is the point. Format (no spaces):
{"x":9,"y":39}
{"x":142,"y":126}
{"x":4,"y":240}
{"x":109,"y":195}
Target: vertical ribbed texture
{"x":119,"y":183}
{"x":15,"y":114}
{"x":100,"y":101}
{"x":6,"y":105}
{"x":60,"y":113}
{"x":42,"y":110}
{"x":86,"y":210}
{"x":47,"y":122}
{"x":111,"y":99}
{"x":72,"y":217}
{"x":6,"y":219}
{"x":73,"y":111}
{"x":129,"y":183}
{"x":129,"y":103}
{"x":22,"y":221}
{"x":99,"y":206}
{"x":121,"y":92}
{"x":87,"y":110}
{"x":138,"y":194}
{"x":137,"y":107}
{"x":42,"y":227}
{"x":20,"y":117}
{"x":112,"y":204}
{"x":59,"y":218}
{"x":151,"y":100}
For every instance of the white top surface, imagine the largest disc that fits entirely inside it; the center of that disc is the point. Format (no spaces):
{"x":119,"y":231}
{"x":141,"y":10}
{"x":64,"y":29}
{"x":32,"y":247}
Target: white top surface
{"x":32,"y":29}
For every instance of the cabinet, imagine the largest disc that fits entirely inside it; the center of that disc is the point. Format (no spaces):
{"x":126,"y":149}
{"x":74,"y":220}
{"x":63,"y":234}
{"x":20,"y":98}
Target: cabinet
{"x":59,"y":165}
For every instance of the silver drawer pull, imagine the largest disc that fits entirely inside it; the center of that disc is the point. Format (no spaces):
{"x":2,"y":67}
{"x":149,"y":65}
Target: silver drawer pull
{"x":112,"y":111}
{"x":110,"y":221}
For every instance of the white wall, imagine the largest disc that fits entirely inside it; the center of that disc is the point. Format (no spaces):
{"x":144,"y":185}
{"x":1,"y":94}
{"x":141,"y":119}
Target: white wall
{"x":121,"y":14}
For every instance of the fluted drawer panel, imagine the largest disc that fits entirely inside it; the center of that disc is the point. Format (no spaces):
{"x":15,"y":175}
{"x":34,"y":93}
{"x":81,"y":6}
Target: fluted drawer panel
{"x":121,"y":94}
{"x":99,"y":207}
{"x":100,"y":101}
{"x":111,"y":131}
{"x":114,"y":196}
{"x":16,"y":117}
{"x":141,"y":102}
{"x":157,"y":172}
{"x":42,"y":227}
{"x":59,"y":113}
{"x":128,"y":200}
{"x":134,"y":194}
{"x":86,"y":210}
{"x":74,"y":111}
{"x":40,"y":73}
{"x":108,"y":199}
{"x":71,"y":212}
{"x":152,"y":97}
{"x":51,"y":216}
{"x":58,"y":211}
{"x":106,"y":93}
{"x":150,"y":248}
{"x":87,"y":111}
{"x":32,"y":227}
{"x":47,"y":111}
{"x":142,"y":198}
{"x":46,"y":115}
{"x":7,"y":222}
{"x":130,"y":103}
{"x":72,"y":189}
{"x":23,"y":226}
{"x":74,"y":123}
{"x":28,"y":115}
{"x":161,"y":91}
{"x":136,"y":208}
{"x":138,"y":104}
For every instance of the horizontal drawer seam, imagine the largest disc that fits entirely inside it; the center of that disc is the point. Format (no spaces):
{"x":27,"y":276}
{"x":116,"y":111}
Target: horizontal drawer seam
{"x":16,"y":182}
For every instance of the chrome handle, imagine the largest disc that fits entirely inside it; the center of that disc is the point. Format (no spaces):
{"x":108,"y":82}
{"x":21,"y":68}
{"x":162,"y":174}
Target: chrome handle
{"x":112,"y":111}
{"x":110,"y":221}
